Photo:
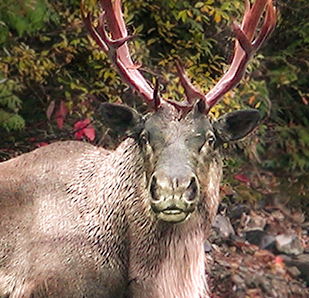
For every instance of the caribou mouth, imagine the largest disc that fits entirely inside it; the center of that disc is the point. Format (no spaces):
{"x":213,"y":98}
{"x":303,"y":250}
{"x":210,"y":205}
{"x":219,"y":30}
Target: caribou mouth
{"x":173,"y":215}
{"x":174,"y":211}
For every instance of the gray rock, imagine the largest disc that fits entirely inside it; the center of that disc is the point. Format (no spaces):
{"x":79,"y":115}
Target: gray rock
{"x":222,"y":226}
{"x":301,"y":262}
{"x":289,"y":244}
{"x":261,"y":238}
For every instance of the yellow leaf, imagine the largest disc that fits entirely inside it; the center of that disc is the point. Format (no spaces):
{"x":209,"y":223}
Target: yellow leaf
{"x":226,"y":100}
{"x":217,"y":17}
{"x":251,"y":99}
{"x":189,"y":13}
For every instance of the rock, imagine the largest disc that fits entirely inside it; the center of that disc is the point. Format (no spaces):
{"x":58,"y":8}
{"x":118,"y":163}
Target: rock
{"x":237,"y":211}
{"x":222,"y":226}
{"x":289,"y":244}
{"x":252,"y":221}
{"x":293,"y":271}
{"x":278,"y":215}
{"x":260,"y":238}
{"x":301,"y":262}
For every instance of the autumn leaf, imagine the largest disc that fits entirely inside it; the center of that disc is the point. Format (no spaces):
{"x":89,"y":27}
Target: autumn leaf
{"x":251,"y":99}
{"x":242,"y":178}
{"x":42,"y":144}
{"x":217,"y":17}
{"x":50,"y":109}
{"x":61,"y":114}
{"x":38,"y":145}
{"x":84,"y":128}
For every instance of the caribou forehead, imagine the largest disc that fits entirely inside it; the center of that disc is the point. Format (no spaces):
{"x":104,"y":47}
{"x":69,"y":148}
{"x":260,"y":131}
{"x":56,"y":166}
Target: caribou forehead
{"x":167,"y":127}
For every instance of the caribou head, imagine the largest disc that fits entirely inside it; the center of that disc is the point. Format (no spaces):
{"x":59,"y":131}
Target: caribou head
{"x":178,"y":139}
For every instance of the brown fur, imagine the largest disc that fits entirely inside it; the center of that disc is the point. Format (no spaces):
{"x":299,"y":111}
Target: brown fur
{"x":60,"y":212}
{"x":76,"y":220}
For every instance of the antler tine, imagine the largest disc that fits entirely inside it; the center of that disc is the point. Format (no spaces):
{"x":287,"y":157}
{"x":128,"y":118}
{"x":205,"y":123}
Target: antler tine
{"x":268,"y":26}
{"x":192,"y":93}
{"x":116,"y":47}
{"x":244,"y":46}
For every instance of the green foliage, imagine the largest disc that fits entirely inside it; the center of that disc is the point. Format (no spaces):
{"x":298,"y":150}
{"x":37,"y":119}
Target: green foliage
{"x":24,"y":17}
{"x":10,"y":104}
{"x":286,"y":70}
{"x":11,"y":121}
{"x":47,"y":65}
{"x":183,"y":29}
{"x":293,"y":142}
{"x":46,"y":59}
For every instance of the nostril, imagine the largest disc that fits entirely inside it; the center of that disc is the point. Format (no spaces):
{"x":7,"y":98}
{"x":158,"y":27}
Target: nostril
{"x":153,"y":188}
{"x":191,"y":192}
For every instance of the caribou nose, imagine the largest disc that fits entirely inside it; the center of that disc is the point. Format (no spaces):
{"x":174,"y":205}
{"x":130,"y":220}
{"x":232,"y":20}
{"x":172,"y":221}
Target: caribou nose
{"x":173,"y":198}
{"x":183,"y":187}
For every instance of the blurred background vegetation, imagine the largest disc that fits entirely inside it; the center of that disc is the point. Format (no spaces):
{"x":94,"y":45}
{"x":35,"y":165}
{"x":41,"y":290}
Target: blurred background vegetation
{"x":52,"y":76}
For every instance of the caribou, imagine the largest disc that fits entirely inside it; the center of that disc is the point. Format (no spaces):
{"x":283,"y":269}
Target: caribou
{"x":78,"y":220}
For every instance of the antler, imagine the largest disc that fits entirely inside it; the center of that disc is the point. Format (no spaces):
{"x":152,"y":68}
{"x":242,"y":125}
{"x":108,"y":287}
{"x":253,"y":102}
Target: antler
{"x":245,"y":47}
{"x":248,"y":42}
{"x":116,"y":48}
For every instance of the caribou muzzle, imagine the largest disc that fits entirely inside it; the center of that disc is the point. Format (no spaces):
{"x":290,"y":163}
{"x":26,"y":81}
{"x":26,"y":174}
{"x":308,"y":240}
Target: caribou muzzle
{"x":174,"y":197}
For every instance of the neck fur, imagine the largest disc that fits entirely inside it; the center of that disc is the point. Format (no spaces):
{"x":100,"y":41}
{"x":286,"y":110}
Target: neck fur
{"x":182,"y":272}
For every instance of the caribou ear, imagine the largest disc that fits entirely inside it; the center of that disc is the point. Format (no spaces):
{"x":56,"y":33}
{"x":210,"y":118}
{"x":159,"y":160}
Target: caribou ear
{"x":121,"y":119}
{"x":236,"y":125}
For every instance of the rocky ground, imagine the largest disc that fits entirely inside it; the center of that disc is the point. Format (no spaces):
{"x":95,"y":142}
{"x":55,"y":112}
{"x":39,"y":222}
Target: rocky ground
{"x":259,"y":250}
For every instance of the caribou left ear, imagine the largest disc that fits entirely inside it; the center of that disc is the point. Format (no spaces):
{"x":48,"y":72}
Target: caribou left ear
{"x":236,"y":125}
{"x":121,"y":119}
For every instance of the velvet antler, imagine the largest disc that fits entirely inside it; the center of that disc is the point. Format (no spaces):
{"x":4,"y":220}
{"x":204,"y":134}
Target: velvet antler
{"x":116,"y":47}
{"x":249,"y":40}
{"x":249,"y":37}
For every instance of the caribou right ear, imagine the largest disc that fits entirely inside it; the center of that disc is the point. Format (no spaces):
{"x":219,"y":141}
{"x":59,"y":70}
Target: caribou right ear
{"x":121,"y":119}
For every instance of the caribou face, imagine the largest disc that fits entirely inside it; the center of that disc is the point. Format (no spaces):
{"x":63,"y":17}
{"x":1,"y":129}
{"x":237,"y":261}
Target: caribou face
{"x":176,"y":148}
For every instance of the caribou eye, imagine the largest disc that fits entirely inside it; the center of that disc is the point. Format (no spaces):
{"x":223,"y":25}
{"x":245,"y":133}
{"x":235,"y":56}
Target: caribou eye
{"x":211,"y":140}
{"x":196,"y":141}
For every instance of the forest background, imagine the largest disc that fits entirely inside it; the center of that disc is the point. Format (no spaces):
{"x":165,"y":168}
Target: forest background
{"x":53,"y":79}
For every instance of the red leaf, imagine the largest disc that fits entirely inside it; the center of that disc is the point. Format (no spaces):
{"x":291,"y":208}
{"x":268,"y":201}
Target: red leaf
{"x":278,"y":260}
{"x":84,"y":128}
{"x":79,"y":134}
{"x":242,"y":178}
{"x":89,"y":133}
{"x":42,"y":144}
{"x":61,"y":114}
